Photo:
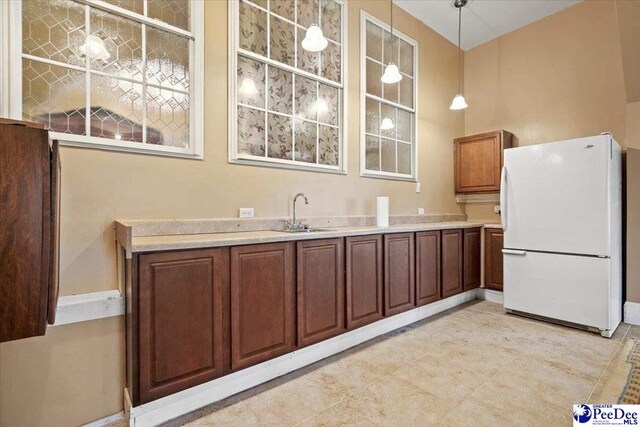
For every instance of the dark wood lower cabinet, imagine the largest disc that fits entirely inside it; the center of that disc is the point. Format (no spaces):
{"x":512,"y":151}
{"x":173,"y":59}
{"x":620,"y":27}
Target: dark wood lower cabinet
{"x":471,"y":257}
{"x":493,"y":241}
{"x":262,"y":302}
{"x":399,"y":273}
{"x":195,"y":315}
{"x":363,"y":280}
{"x":182,"y":320}
{"x":451,"y":262}
{"x":320,"y":285}
{"x":428,"y":260}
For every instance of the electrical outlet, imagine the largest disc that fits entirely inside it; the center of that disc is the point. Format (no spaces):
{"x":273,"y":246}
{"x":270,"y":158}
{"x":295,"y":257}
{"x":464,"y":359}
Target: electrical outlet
{"x":420,"y":211}
{"x":417,"y":187}
{"x":496,"y":209}
{"x":246,"y":213}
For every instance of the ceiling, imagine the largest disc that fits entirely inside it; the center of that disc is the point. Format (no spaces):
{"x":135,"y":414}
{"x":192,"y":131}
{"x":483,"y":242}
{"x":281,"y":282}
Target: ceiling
{"x":482,"y":20}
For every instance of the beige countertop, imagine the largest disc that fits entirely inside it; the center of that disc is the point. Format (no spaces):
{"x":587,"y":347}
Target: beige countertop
{"x":151,"y":243}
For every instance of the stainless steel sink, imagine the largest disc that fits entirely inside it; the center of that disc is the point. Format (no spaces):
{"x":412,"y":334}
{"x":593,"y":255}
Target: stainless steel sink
{"x":304,"y":230}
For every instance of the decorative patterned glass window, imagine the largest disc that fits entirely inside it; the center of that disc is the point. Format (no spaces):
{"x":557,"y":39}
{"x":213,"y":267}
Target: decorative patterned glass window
{"x":388,"y":144}
{"x":115,"y":74}
{"x":286,"y":103}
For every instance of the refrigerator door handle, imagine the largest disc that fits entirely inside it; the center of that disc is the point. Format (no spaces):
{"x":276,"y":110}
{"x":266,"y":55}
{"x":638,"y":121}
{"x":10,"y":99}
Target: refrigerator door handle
{"x":513,"y":252}
{"x":503,"y":198}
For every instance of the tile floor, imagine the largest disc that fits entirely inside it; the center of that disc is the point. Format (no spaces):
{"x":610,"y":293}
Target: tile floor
{"x":473,"y":365}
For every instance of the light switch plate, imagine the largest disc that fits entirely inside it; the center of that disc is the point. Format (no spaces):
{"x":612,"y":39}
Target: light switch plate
{"x":417,"y":187}
{"x":496,"y":209}
{"x":420,"y":211}
{"x":246,"y":213}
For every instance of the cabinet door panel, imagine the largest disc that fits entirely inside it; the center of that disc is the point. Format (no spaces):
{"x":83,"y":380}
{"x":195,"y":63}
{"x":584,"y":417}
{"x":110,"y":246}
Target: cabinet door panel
{"x":364,"y":280}
{"x":451,"y":262}
{"x":478,"y":161}
{"x":493,"y":258}
{"x":471,"y":258}
{"x":428,"y":258}
{"x":181,"y":320}
{"x":262,"y":302}
{"x":320,"y":285}
{"x":399,"y":273}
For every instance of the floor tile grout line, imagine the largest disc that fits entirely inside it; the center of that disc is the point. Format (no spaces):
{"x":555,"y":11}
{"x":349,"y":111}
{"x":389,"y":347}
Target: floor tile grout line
{"x":480,"y":386}
{"x":252,"y":413}
{"x":323,"y":410}
{"x":620,"y":346}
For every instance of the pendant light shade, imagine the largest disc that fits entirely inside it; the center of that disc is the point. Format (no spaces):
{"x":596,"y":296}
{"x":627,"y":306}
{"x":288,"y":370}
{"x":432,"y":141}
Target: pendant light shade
{"x":314,"y":40}
{"x":459,"y":102}
{"x":248,"y":87}
{"x":391,"y":74}
{"x":93,"y":47}
{"x":386,"y":124}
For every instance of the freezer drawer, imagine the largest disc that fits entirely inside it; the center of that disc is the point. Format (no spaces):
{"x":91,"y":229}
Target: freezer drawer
{"x":564,"y":287}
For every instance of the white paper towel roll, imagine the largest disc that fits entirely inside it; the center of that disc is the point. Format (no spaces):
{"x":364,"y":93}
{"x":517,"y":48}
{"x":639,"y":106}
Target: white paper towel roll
{"x":382,"y":211}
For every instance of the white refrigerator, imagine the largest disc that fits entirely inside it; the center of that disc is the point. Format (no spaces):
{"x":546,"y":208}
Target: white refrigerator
{"x":561,"y":214}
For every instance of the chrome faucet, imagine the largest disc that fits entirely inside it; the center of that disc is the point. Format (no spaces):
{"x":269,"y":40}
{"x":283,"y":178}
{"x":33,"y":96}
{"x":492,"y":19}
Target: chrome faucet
{"x":294,"y":224}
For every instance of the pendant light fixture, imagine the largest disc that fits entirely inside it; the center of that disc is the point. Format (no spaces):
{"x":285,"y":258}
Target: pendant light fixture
{"x":459,"y":102}
{"x":387,"y":124}
{"x":314,"y":39}
{"x":94,"y":48}
{"x":391,"y":72}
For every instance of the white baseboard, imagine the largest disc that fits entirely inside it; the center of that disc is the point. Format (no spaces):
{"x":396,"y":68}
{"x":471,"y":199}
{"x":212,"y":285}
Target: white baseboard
{"x":490,"y":295}
{"x":632,"y":313}
{"x":175,"y":405}
{"x":106,"y":420}
{"x":91,"y":306}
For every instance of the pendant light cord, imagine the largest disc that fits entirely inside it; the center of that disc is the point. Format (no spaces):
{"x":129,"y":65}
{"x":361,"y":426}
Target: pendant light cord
{"x":459,"y":50}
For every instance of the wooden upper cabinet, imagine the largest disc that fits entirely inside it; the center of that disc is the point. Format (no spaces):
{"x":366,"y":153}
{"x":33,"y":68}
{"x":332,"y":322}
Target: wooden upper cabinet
{"x":399,"y":273}
{"x":428,"y":259}
{"x":182,"y":320}
{"x":29,"y":224}
{"x":471,"y":268}
{"x":493,"y":258}
{"x":451,"y":262}
{"x":262,"y":302}
{"x":320,"y":303}
{"x":364,"y":280}
{"x":478,"y":161}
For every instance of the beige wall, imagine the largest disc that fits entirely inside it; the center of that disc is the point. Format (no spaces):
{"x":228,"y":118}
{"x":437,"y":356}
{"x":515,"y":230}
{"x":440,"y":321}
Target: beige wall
{"x":75,"y":373}
{"x":558,"y":78}
{"x":633,"y":202}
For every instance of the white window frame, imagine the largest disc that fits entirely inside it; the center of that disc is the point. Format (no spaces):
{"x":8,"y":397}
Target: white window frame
{"x":364,"y":172}
{"x":234,"y":50}
{"x":11,"y":78}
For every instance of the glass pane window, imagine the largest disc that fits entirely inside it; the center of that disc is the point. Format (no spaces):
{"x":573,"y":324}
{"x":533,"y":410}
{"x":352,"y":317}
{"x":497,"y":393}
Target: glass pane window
{"x":118,"y":71}
{"x":288,"y":102}
{"x":388,"y":142}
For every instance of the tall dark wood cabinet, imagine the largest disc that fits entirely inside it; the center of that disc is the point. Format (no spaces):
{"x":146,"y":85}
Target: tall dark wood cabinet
{"x":399,"y":273}
{"x":363,"y":280}
{"x":428,"y":261}
{"x":320,"y":286}
{"x":493,"y":240}
{"x":471,"y":268}
{"x":262,"y":302}
{"x":182,"y":320}
{"x":451,"y":262}
{"x":29,"y":229}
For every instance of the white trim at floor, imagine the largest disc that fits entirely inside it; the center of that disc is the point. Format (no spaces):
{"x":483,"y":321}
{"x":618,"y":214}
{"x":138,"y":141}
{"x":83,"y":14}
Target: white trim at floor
{"x":632,"y":312}
{"x":175,"y":405}
{"x":91,"y":306}
{"x":490,"y":295}
{"x":106,"y":420}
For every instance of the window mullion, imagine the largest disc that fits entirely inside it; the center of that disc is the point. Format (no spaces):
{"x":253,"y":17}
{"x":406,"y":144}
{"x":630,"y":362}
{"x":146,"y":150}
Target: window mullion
{"x":144,"y":80}
{"x":87,"y":64}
